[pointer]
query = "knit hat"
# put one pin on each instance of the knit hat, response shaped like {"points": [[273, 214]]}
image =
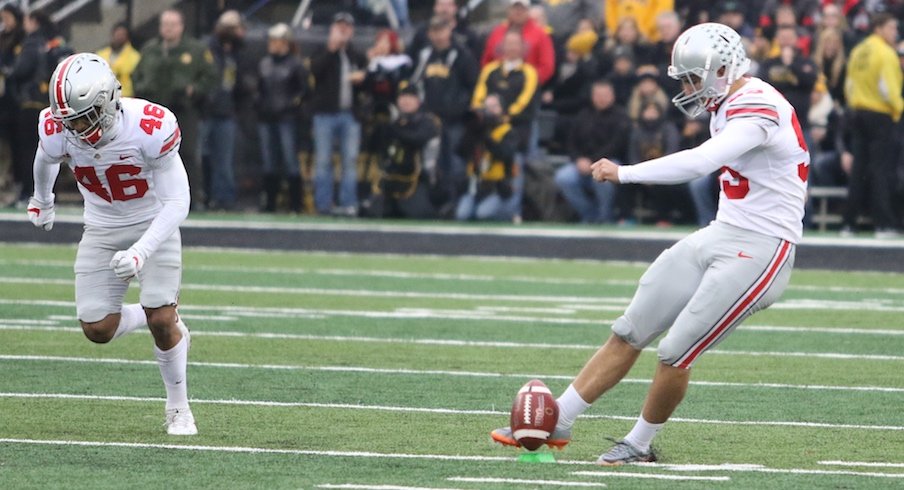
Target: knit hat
{"points": [[582, 43]]}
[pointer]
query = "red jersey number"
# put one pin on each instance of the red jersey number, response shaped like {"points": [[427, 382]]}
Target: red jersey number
{"points": [[122, 188], [149, 124], [735, 186]]}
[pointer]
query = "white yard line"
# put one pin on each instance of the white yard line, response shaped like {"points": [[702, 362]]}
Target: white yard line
{"points": [[862, 463], [652, 476], [436, 372], [521, 481], [760, 469], [450, 411]]}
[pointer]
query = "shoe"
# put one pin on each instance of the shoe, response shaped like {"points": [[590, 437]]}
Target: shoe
{"points": [[846, 232], [557, 440], [180, 422], [345, 211], [887, 234], [623, 452]]}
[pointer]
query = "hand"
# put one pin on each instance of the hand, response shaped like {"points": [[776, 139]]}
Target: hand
{"points": [[126, 263], [605, 171], [847, 162], [357, 76], [547, 97], [41, 214], [787, 55]]}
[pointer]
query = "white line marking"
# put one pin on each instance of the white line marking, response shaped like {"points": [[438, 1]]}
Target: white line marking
{"points": [[519, 481], [356, 486], [704, 467], [448, 411], [653, 476], [755, 469], [862, 463], [830, 330], [437, 372], [257, 450]]}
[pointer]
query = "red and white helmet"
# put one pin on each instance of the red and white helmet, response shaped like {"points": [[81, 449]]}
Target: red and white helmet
{"points": [[84, 96]]}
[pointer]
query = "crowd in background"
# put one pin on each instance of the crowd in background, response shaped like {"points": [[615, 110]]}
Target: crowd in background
{"points": [[500, 123]]}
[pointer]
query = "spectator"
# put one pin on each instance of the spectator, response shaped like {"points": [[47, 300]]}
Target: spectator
{"points": [[462, 35], [623, 75], [732, 14], [832, 18], [403, 187], [785, 16], [122, 57], [646, 90], [178, 72], [644, 13], [446, 74], [830, 60], [235, 72], [515, 82], [387, 66], [654, 136], [337, 68], [27, 77], [793, 74], [563, 17], [489, 146], [11, 36], [626, 38], [874, 99], [538, 47], [668, 27], [57, 47], [600, 130], [569, 91], [282, 86]]}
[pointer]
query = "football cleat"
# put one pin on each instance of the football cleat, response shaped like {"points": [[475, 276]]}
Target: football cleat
{"points": [[557, 440], [180, 422], [623, 452]]}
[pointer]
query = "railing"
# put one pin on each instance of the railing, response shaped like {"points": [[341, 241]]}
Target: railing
{"points": [[69, 9]]}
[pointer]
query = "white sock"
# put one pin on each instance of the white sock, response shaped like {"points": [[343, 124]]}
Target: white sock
{"points": [[642, 434], [172, 368], [131, 317], [570, 406]]}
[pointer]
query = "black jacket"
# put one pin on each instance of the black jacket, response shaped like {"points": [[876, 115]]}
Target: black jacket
{"points": [[598, 134], [446, 80], [795, 82], [326, 67], [29, 75], [283, 82], [572, 93], [235, 75], [402, 155]]}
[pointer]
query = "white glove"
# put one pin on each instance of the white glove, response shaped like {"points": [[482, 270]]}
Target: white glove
{"points": [[41, 213], [127, 263]]}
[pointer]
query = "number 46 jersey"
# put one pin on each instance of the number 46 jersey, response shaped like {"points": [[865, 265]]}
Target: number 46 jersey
{"points": [[116, 179]]}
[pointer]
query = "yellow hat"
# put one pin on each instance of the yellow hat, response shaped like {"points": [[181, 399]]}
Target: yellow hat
{"points": [[582, 43]]}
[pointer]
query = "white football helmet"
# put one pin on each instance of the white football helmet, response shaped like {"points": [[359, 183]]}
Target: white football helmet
{"points": [[699, 54], [84, 96]]}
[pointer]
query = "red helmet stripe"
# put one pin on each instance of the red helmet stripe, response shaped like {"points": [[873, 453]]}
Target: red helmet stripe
{"points": [[61, 76]]}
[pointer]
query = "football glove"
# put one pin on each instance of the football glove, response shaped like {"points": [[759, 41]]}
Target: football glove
{"points": [[126, 263], [41, 213]]}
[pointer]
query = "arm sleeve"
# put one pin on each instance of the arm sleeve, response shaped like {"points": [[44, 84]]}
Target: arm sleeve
{"points": [[171, 185], [480, 90], [46, 170], [527, 92], [738, 137]]}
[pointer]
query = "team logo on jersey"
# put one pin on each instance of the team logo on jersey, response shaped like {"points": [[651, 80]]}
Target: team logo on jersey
{"points": [[185, 58]]}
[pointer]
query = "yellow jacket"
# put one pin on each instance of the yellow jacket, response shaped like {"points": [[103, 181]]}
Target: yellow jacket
{"points": [[123, 66], [643, 11], [874, 78]]}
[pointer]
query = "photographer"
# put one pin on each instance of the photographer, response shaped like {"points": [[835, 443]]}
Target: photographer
{"points": [[489, 147]]}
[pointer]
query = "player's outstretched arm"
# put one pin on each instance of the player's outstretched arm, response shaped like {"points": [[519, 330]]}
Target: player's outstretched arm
{"points": [[738, 137], [171, 185], [40, 206]]}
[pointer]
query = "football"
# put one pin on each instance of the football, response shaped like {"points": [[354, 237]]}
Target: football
{"points": [[534, 415]]}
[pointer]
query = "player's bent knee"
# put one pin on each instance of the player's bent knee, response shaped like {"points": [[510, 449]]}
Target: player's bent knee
{"points": [[102, 331], [161, 318], [674, 355], [625, 331]]}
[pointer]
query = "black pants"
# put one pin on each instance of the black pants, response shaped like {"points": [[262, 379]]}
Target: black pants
{"points": [[873, 177], [23, 148]]}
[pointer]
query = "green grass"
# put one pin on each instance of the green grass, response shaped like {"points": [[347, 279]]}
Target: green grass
{"points": [[336, 359]]}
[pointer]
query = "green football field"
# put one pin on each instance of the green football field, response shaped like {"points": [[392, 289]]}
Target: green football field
{"points": [[314, 370]]}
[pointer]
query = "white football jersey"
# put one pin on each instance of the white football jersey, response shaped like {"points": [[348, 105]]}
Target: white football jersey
{"points": [[116, 180], [764, 190]]}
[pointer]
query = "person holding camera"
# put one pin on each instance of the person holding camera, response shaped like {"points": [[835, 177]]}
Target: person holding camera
{"points": [[489, 147]]}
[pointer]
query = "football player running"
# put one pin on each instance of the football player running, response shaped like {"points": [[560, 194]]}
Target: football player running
{"points": [[124, 155], [699, 290]]}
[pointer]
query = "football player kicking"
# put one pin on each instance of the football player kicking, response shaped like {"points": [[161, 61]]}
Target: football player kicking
{"points": [[703, 287], [124, 154]]}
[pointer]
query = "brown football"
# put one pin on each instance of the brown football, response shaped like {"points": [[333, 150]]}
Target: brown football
{"points": [[534, 415]]}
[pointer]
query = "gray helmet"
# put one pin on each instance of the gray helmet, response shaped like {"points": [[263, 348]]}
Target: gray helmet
{"points": [[697, 57], [84, 96]]}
